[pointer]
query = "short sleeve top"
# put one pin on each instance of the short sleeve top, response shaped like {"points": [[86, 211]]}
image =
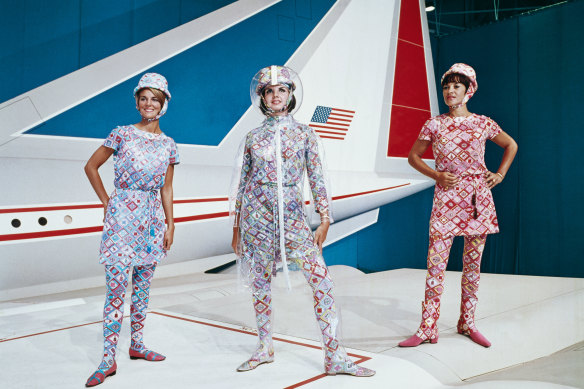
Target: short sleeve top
{"points": [[459, 143], [140, 158]]}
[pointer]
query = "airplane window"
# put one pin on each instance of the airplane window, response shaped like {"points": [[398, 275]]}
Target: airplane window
{"points": [[68, 219], [42, 221], [15, 223]]}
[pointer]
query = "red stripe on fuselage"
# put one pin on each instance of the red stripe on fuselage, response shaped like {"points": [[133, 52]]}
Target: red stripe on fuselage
{"points": [[181, 219], [90, 206], [368, 192], [48, 234], [201, 200]]}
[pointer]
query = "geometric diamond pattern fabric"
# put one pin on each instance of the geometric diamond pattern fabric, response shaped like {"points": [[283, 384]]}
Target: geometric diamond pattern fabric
{"points": [[141, 279], [262, 304], [465, 209], [113, 311], [327, 314], [134, 224], [256, 204], [316, 273], [256, 200], [459, 148], [471, 275], [438, 254]]}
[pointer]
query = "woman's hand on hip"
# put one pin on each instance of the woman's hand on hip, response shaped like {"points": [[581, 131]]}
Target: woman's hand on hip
{"points": [[446, 179], [105, 208], [168, 237], [320, 234], [493, 179]]}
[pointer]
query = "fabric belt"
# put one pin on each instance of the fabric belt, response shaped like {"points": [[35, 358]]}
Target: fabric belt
{"points": [[275, 184]]}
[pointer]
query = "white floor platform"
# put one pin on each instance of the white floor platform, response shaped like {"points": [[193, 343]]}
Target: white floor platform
{"points": [[204, 325]]}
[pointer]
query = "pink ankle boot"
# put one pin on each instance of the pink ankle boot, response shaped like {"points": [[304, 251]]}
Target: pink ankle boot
{"points": [[428, 331], [471, 330]]}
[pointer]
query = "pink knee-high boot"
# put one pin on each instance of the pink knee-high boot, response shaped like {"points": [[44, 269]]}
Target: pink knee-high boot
{"points": [[438, 254], [471, 273]]}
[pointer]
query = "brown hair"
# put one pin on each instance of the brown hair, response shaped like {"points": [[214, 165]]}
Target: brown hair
{"points": [[291, 105], [157, 93], [456, 78]]}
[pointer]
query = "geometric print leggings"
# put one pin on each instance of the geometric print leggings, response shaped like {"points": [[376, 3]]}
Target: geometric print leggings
{"points": [[317, 275], [113, 312], [438, 254]]}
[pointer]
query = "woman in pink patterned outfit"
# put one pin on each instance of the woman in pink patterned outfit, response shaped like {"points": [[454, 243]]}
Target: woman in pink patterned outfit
{"points": [[463, 203], [135, 233]]}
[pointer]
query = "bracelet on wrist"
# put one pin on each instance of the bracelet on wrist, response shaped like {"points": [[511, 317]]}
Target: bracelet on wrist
{"points": [[500, 175]]}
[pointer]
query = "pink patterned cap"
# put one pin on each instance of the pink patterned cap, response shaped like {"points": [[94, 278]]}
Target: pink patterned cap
{"points": [[462, 68], [156, 81], [274, 75]]}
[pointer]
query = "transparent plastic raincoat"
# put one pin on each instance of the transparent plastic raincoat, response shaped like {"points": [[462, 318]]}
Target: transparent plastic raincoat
{"points": [[268, 187], [268, 208]]}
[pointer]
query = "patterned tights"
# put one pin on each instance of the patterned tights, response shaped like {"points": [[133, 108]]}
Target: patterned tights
{"points": [[317, 275], [438, 254], [113, 312]]}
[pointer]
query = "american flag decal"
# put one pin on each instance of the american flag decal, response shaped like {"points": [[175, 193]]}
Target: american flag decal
{"points": [[331, 123]]}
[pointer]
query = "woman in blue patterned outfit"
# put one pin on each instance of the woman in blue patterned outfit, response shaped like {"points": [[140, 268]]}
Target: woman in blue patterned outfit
{"points": [[270, 226], [134, 232]]}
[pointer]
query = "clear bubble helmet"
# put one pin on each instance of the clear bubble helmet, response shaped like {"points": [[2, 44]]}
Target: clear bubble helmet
{"points": [[276, 75]]}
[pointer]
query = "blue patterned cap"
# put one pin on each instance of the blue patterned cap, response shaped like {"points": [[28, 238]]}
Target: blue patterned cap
{"points": [[156, 81]]}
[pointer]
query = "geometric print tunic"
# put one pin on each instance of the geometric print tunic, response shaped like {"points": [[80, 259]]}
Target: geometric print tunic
{"points": [[256, 196], [459, 148], [134, 225]]}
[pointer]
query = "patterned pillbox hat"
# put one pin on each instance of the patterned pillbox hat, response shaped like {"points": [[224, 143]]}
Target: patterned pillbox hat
{"points": [[462, 68], [156, 81]]}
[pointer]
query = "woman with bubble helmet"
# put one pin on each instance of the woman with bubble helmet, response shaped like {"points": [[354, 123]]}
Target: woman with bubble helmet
{"points": [[463, 203], [270, 229], [134, 231]]}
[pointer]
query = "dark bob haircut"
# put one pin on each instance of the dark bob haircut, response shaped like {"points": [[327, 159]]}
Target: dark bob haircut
{"points": [[456, 77]]}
